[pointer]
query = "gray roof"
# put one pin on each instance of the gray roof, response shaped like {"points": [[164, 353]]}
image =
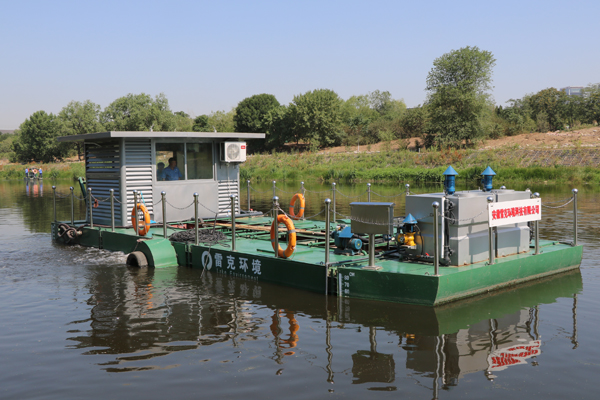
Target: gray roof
{"points": [[162, 135]]}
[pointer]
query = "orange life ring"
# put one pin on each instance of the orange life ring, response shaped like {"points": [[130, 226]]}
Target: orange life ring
{"points": [[291, 236], [297, 196], [96, 203], [144, 225]]}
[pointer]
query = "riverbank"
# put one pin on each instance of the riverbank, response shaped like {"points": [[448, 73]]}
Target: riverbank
{"points": [[66, 170], [513, 165]]}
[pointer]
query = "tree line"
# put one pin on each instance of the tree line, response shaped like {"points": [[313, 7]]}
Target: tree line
{"points": [[459, 112]]}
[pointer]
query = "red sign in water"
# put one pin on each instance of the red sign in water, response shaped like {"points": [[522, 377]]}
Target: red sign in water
{"points": [[502, 358], [512, 212]]}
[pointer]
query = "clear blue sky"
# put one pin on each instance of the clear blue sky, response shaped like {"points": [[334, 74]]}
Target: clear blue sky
{"points": [[209, 55]]}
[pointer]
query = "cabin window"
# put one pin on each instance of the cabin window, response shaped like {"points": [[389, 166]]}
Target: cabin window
{"points": [[170, 161], [199, 160]]}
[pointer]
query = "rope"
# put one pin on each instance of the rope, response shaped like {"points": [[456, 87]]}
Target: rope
{"points": [[392, 196], [309, 217], [181, 208], [561, 206], [259, 191], [312, 191], [352, 197], [284, 191]]}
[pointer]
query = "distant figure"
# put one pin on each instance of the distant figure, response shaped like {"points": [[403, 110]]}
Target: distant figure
{"points": [[35, 172], [40, 171], [26, 172], [172, 173], [160, 171]]}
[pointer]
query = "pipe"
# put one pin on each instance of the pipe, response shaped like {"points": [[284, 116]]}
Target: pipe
{"points": [[54, 201], [196, 218], [112, 210], [72, 206], [442, 212], [90, 207], [136, 221], [491, 261], [371, 249], [575, 216], [248, 193], [274, 189], [436, 239], [369, 192], [233, 196], [163, 195], [275, 222], [537, 230], [407, 189], [327, 237]]}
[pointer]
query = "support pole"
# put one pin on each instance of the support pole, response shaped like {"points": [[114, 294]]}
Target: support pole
{"points": [[407, 186], [371, 249], [537, 230], [72, 206], [248, 193], [112, 210], [163, 195], [369, 192], [274, 189], [90, 207], [575, 216], [54, 201], [136, 219], [233, 196], [436, 239], [333, 189], [491, 261], [275, 222], [196, 219], [327, 237]]}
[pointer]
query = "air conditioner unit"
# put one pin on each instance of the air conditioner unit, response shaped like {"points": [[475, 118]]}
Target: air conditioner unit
{"points": [[233, 151]]}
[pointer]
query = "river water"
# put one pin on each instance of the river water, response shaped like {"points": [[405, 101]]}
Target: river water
{"points": [[76, 323]]}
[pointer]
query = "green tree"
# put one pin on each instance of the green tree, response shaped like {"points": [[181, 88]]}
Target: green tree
{"points": [[78, 118], [385, 105], [222, 121], [458, 84], [250, 113], [414, 122], [183, 122], [201, 124], [592, 107], [37, 139], [548, 108], [139, 112], [316, 117]]}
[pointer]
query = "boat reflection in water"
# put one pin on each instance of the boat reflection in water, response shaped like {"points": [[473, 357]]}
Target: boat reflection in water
{"points": [[34, 188], [140, 314]]}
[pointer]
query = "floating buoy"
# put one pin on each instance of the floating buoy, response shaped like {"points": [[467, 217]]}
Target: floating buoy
{"points": [[291, 231], [297, 196]]}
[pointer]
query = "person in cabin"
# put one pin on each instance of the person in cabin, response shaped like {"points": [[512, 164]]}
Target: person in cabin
{"points": [[172, 173], [160, 171], [40, 171]]}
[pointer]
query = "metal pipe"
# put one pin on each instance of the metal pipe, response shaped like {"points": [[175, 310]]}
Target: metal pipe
{"points": [[163, 195], [407, 186], [112, 210], [233, 196], [327, 233], [276, 224], [248, 193], [575, 216], [371, 250], [442, 223], [303, 191], [333, 189], [274, 189], [72, 206], [436, 239], [196, 218], [136, 221], [491, 261], [537, 230], [90, 207], [54, 201], [369, 192]]}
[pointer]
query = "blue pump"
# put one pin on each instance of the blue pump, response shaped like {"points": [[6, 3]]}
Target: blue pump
{"points": [[488, 176], [449, 180], [345, 241]]}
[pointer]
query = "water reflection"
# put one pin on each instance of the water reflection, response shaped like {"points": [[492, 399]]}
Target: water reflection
{"points": [[138, 315]]}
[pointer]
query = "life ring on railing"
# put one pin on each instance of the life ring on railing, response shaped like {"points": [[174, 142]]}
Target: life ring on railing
{"points": [[291, 231], [297, 196], [144, 225]]}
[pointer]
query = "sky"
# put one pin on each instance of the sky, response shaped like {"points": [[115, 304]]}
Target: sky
{"points": [[208, 56]]}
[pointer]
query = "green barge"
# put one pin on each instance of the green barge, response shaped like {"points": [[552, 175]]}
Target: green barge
{"points": [[448, 245]]}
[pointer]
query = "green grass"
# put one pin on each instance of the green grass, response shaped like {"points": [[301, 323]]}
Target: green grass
{"points": [[51, 171]]}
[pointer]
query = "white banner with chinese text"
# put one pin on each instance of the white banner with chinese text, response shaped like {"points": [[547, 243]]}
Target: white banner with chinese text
{"points": [[513, 212]]}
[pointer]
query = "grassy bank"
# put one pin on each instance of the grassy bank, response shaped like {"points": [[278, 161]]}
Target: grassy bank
{"points": [[51, 171], [406, 166]]}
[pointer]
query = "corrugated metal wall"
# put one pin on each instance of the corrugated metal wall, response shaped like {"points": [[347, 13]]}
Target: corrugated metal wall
{"points": [[103, 165], [138, 173], [226, 189]]}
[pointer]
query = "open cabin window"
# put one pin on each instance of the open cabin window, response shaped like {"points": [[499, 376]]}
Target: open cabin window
{"points": [[184, 161]]}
